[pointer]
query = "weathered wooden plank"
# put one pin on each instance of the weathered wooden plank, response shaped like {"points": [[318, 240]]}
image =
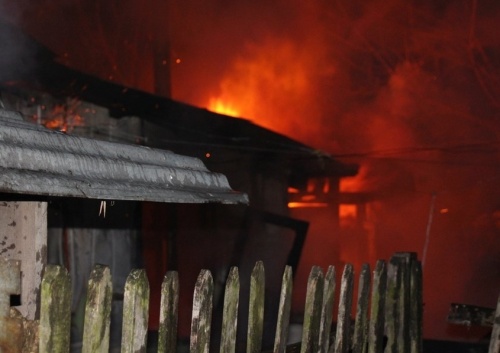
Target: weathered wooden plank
{"points": [[416, 307], [98, 311], [10, 327], [135, 312], [469, 315], [398, 303], [23, 226], [230, 312], [202, 313], [343, 330], [55, 310], [30, 332], [360, 339], [327, 310], [284, 312], [377, 309], [256, 309], [169, 306], [312, 311], [495, 333]]}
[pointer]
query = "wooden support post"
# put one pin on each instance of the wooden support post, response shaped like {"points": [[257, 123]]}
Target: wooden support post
{"points": [[23, 236]]}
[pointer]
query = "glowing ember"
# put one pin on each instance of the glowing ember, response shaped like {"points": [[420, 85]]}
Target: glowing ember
{"points": [[218, 106], [307, 204]]}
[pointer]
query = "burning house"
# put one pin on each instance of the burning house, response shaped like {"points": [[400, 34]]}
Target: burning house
{"points": [[263, 164]]}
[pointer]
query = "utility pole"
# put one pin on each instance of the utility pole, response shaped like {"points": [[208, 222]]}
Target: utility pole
{"points": [[162, 57]]}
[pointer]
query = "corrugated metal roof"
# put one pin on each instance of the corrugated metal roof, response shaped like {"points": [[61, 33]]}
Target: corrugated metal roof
{"points": [[39, 161]]}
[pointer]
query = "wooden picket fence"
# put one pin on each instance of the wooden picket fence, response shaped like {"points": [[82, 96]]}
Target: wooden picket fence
{"points": [[387, 317]]}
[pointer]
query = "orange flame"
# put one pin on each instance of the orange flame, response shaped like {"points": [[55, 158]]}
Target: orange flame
{"points": [[217, 105]]}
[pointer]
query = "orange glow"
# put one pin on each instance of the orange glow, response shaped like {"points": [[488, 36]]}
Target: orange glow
{"points": [[218, 106], [346, 211], [64, 117], [306, 204], [272, 85]]}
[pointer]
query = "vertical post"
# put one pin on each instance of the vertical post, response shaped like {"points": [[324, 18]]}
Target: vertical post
{"points": [[167, 333], [361, 324], [230, 312], [341, 344], [377, 310], [98, 311], [495, 333], [55, 310], [327, 310], [161, 56], [416, 307], [284, 312], [23, 229], [202, 313], [256, 309], [398, 302], [135, 313], [312, 312]]}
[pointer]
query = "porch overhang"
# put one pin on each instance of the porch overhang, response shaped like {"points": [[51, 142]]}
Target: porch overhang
{"points": [[39, 161]]}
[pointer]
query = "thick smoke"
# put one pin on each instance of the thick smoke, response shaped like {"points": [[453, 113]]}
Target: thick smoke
{"points": [[408, 89]]}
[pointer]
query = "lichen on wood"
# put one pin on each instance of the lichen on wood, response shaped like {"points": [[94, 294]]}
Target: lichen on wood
{"points": [[377, 309], [341, 344], [167, 333], [55, 310], [312, 312], [327, 310], [361, 322], [256, 309], [284, 312], [230, 312], [135, 313], [202, 313], [98, 311]]}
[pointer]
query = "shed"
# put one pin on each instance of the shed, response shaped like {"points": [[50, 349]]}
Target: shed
{"points": [[38, 164], [259, 162]]}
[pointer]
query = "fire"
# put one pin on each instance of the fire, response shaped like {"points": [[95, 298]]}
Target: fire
{"points": [[272, 84], [217, 105]]}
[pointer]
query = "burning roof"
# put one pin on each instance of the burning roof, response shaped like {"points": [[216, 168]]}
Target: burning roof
{"points": [[192, 125]]}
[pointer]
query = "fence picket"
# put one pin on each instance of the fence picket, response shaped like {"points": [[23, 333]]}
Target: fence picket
{"points": [[361, 322], [256, 309], [377, 310], [202, 313], [167, 332], [284, 312], [395, 301], [135, 312], [343, 331], [312, 312], [495, 333], [98, 311], [327, 310], [398, 303], [230, 313], [416, 307], [55, 310]]}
